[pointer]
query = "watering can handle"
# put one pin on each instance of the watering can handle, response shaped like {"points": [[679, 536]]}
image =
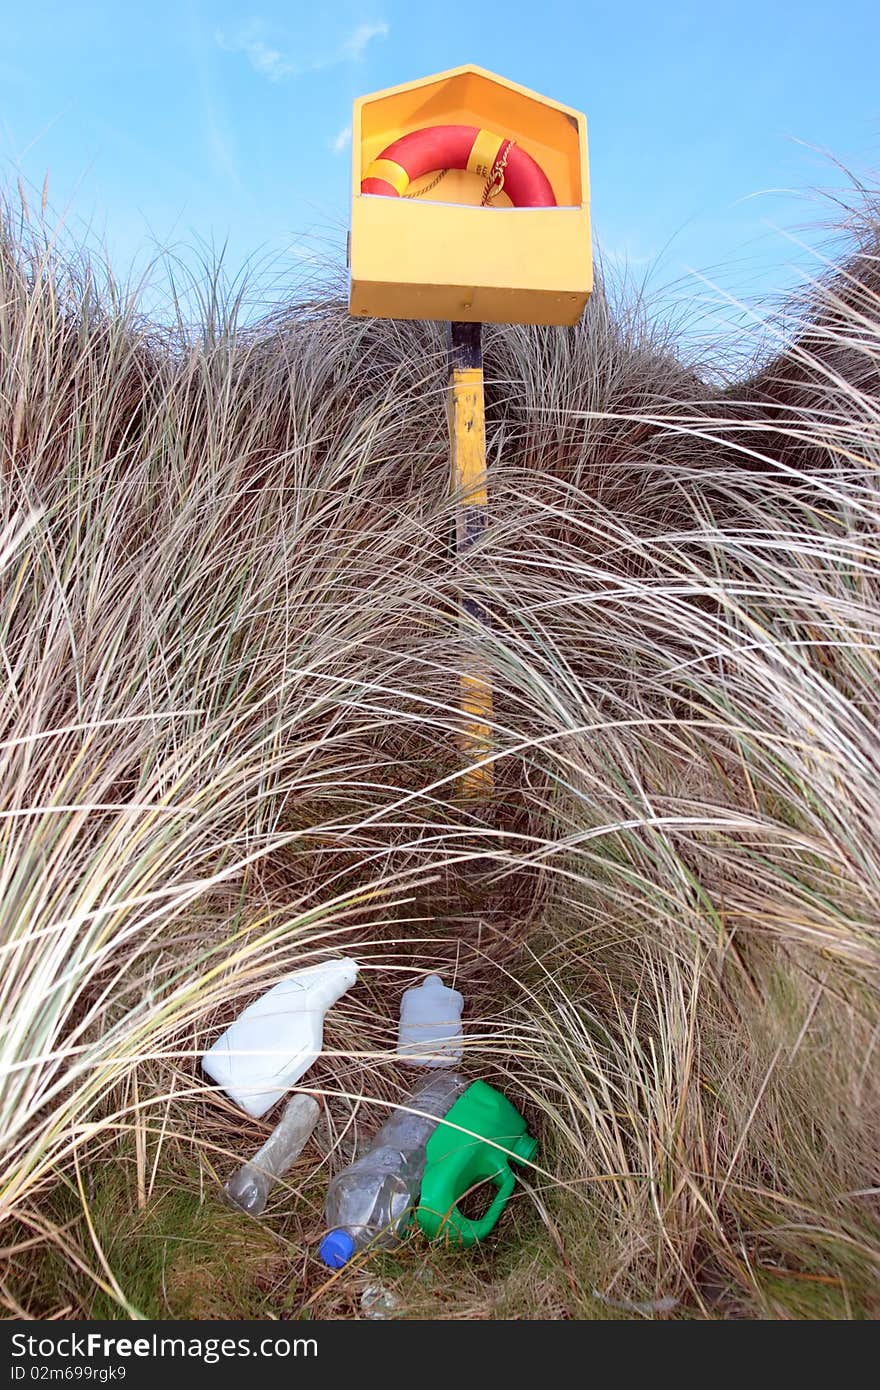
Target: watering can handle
{"points": [[505, 1182]]}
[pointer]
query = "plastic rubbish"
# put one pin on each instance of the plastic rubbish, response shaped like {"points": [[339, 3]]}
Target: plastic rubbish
{"points": [[379, 1302], [278, 1037], [430, 1025], [370, 1201], [646, 1306], [249, 1188], [457, 1160]]}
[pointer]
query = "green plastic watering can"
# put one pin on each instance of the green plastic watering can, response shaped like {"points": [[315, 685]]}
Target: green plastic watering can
{"points": [[457, 1161]]}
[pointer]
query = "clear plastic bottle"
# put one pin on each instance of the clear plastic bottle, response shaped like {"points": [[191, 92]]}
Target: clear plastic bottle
{"points": [[250, 1187], [368, 1202]]}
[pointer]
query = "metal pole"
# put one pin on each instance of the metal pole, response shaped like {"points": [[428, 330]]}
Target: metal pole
{"points": [[467, 456]]}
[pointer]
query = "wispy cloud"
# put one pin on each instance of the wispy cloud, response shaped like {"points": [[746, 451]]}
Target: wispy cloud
{"points": [[216, 133], [220, 144], [626, 255], [355, 46], [341, 140], [267, 61], [275, 65]]}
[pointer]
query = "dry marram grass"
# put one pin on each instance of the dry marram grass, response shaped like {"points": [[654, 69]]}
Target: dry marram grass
{"points": [[230, 644]]}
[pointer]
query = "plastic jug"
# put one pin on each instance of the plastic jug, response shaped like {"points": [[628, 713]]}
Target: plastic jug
{"points": [[370, 1201], [456, 1162], [278, 1037], [430, 1025], [249, 1188]]}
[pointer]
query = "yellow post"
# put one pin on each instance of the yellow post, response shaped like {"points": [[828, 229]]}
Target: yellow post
{"points": [[467, 453]]}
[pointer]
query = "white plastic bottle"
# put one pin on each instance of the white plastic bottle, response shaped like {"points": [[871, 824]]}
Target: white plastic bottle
{"points": [[430, 1025], [278, 1037], [249, 1188]]}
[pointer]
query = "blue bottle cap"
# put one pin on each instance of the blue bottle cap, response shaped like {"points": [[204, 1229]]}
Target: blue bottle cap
{"points": [[336, 1249]]}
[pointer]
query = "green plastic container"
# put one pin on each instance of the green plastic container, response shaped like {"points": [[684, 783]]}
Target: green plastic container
{"points": [[457, 1162]]}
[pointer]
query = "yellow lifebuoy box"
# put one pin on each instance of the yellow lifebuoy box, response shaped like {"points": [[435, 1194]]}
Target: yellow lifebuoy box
{"points": [[470, 203]]}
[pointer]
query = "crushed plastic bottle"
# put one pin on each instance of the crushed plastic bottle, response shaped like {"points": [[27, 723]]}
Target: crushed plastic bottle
{"points": [[249, 1188], [369, 1202], [378, 1302], [278, 1037], [430, 1025]]}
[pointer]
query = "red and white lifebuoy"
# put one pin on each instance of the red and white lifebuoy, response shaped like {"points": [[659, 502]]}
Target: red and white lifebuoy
{"points": [[481, 152]]}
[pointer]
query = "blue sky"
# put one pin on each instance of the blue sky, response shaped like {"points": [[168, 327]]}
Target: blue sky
{"points": [[180, 123]]}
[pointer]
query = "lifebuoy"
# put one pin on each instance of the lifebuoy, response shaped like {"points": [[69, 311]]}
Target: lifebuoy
{"points": [[459, 147]]}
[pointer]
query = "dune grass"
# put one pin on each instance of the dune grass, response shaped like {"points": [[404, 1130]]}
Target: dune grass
{"points": [[231, 641]]}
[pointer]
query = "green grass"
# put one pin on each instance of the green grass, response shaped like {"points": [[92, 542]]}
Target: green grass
{"points": [[179, 1256]]}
